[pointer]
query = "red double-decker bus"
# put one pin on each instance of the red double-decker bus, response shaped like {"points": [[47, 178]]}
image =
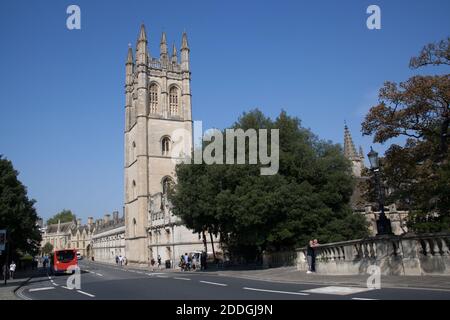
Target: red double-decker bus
{"points": [[62, 260]]}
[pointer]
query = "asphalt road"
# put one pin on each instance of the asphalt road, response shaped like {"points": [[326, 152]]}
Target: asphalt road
{"points": [[104, 282]]}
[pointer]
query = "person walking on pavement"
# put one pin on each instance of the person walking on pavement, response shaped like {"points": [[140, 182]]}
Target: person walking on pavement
{"points": [[120, 260], [159, 261], [12, 269]]}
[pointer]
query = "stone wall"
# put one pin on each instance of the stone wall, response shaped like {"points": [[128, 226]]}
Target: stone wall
{"points": [[408, 254]]}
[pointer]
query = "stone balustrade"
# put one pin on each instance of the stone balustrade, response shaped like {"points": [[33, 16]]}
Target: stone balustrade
{"points": [[408, 254]]}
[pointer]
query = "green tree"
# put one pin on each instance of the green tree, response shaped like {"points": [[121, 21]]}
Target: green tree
{"points": [[47, 248], [63, 216], [17, 212], [308, 197], [418, 172]]}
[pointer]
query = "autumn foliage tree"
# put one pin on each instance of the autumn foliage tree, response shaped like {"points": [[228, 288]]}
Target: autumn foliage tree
{"points": [[419, 171]]}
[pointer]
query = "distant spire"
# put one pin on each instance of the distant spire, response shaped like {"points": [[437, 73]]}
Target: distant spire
{"points": [[142, 34], [174, 53], [349, 147], [174, 50], [361, 154], [130, 55], [163, 38], [163, 52], [184, 42]]}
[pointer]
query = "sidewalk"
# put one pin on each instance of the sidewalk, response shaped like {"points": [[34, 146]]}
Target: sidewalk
{"points": [[8, 292], [291, 275]]}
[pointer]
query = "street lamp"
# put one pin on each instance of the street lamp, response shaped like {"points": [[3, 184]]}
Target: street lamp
{"points": [[383, 223]]}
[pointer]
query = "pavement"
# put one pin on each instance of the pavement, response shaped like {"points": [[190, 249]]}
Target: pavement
{"points": [[100, 281], [7, 292]]}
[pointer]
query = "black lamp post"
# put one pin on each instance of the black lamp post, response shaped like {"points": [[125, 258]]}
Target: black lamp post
{"points": [[383, 223]]}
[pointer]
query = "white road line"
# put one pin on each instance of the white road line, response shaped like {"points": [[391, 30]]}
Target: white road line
{"points": [[85, 293], [363, 299], [276, 291], [215, 283], [181, 278], [41, 289], [162, 276], [336, 290], [99, 274], [66, 288]]}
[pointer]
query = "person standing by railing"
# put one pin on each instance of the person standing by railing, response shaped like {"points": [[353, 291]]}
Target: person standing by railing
{"points": [[310, 255]]}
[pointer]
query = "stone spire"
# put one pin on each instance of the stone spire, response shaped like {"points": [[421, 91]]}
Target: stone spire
{"points": [[184, 53], [174, 54], [361, 154], [184, 42], [349, 147], [141, 47], [164, 56], [130, 55], [142, 34]]}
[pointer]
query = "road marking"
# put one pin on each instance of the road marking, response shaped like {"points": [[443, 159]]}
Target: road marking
{"points": [[340, 291], [66, 288], [41, 289], [363, 299], [99, 274], [162, 276], [276, 291], [215, 283], [85, 293], [181, 278]]}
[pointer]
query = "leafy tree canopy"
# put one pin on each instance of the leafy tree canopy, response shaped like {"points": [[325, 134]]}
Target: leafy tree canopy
{"points": [[17, 212], [308, 197], [63, 216]]}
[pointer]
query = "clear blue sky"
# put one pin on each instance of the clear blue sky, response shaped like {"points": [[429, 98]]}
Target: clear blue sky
{"points": [[62, 95]]}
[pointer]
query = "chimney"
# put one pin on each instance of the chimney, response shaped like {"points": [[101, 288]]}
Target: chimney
{"points": [[90, 221], [78, 222], [106, 218]]}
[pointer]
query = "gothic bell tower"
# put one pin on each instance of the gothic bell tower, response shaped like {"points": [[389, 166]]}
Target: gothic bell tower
{"points": [[158, 133]]}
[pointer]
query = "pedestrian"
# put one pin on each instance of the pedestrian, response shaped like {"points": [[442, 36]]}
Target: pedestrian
{"points": [[12, 269], [125, 260], [186, 261], [4, 271], [159, 261], [120, 260], [313, 264], [117, 259], [152, 263], [309, 255], [194, 261], [203, 260]]}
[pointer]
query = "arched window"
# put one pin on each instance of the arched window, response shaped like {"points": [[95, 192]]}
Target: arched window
{"points": [[153, 98], [165, 146], [166, 185], [173, 101]]}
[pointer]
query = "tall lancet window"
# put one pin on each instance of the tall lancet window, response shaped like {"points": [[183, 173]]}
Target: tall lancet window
{"points": [[165, 146], [153, 98], [173, 101]]}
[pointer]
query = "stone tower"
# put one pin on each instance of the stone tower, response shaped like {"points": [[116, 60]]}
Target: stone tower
{"points": [[357, 158], [158, 133]]}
